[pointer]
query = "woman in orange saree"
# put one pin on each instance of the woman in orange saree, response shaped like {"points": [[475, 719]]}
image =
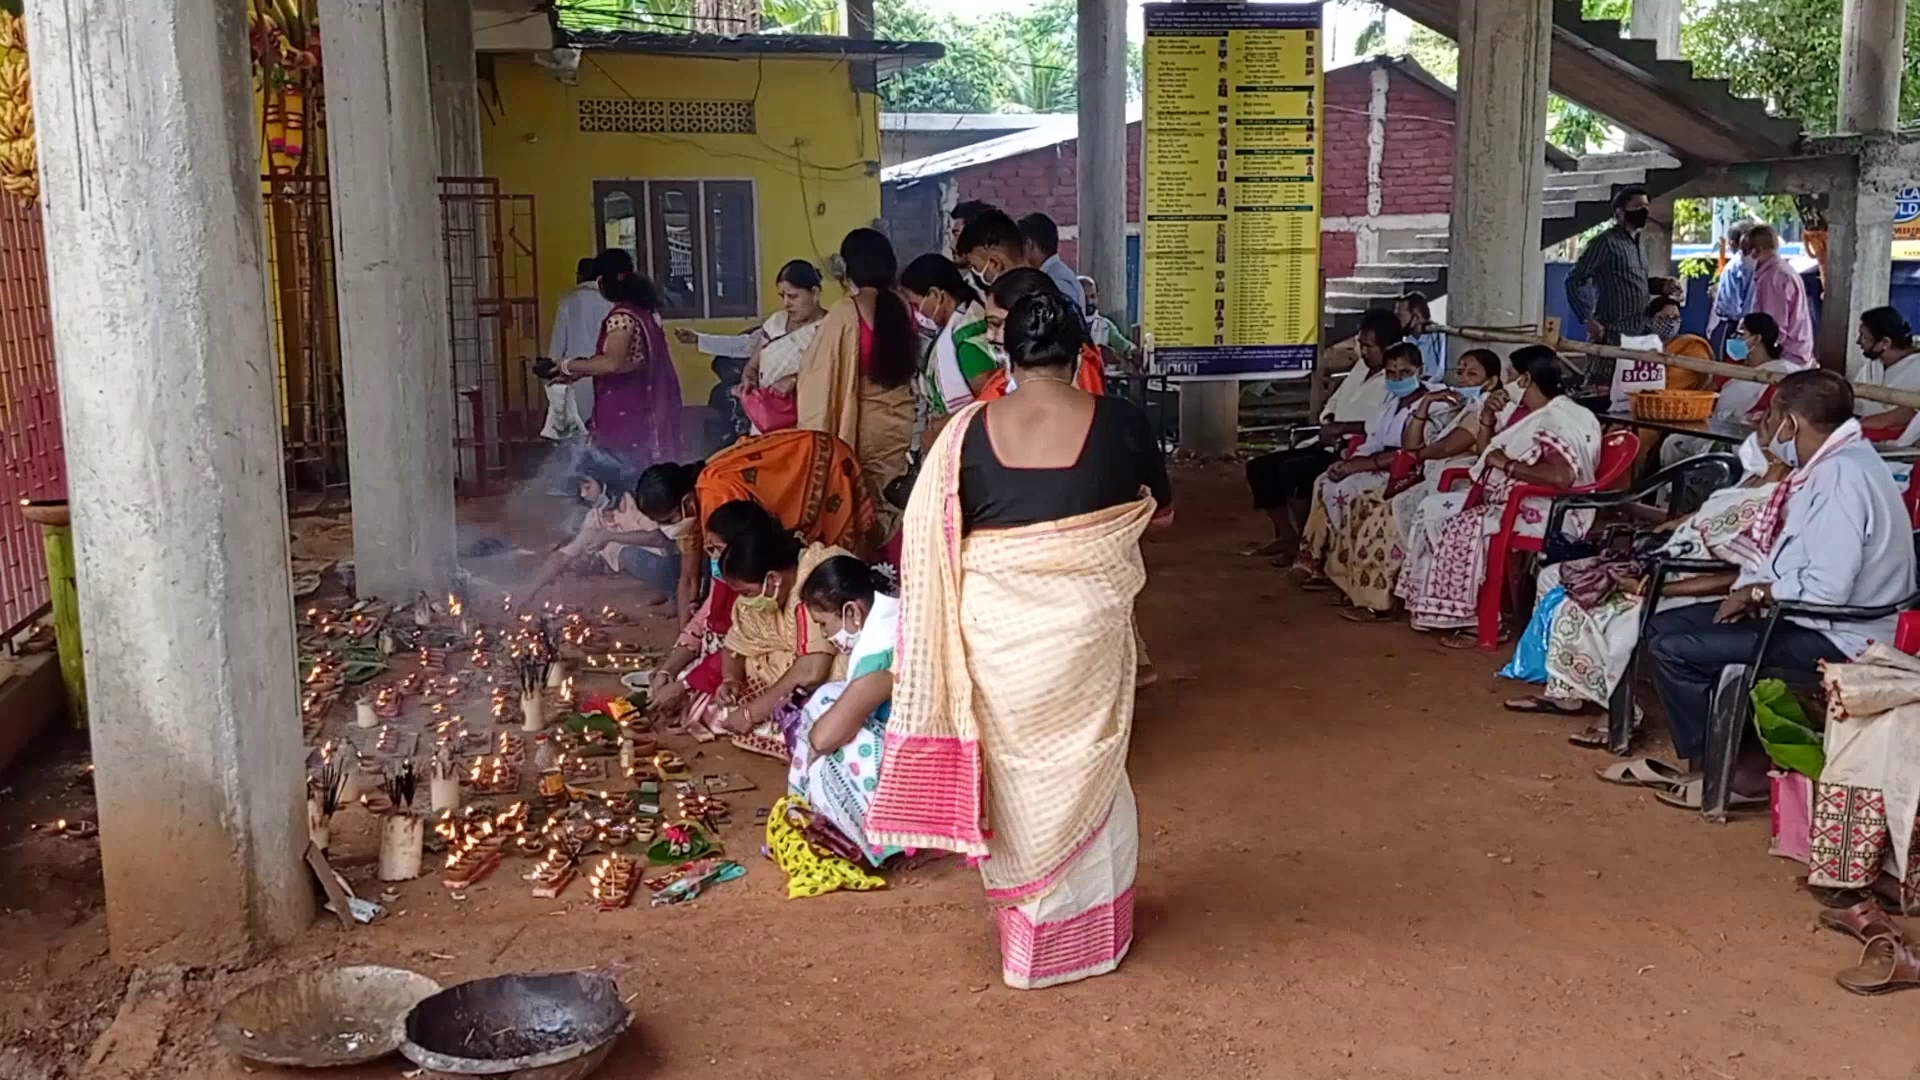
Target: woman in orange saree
{"points": [[809, 480]]}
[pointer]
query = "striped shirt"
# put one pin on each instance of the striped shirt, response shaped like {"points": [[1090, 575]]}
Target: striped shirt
{"points": [[1615, 269]]}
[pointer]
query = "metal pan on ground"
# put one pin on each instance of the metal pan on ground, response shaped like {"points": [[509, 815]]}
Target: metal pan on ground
{"points": [[637, 681], [524, 1027], [324, 1018]]}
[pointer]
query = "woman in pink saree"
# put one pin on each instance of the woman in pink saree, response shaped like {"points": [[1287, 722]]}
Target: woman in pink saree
{"points": [[636, 392]]}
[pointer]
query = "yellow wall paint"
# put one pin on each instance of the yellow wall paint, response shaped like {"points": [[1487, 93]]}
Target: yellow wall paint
{"points": [[533, 144]]}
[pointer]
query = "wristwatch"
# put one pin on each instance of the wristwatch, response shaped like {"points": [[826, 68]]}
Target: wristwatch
{"points": [[1757, 594]]}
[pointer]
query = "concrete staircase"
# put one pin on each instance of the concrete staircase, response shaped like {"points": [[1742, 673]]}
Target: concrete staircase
{"points": [[1575, 202]]}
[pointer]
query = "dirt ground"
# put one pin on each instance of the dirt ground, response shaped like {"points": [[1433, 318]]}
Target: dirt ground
{"points": [[1353, 864]]}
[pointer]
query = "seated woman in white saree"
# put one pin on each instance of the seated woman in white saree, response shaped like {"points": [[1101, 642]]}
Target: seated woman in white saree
{"points": [[836, 742], [1363, 559], [1013, 691], [1590, 640], [1364, 471], [1557, 444]]}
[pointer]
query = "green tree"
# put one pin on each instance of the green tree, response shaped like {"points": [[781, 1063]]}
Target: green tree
{"points": [[800, 16], [968, 79], [1785, 53]]}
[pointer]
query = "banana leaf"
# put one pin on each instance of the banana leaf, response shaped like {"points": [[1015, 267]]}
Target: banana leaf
{"points": [[1782, 723]]}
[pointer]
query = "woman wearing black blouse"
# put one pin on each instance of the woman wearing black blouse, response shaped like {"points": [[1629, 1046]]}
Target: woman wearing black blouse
{"points": [[1014, 676]]}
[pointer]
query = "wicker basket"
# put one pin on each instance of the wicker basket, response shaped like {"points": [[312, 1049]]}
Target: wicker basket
{"points": [[1674, 405]]}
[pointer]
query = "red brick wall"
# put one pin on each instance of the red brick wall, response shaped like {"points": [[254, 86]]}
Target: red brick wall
{"points": [[1343, 141], [1416, 171], [1337, 253]]}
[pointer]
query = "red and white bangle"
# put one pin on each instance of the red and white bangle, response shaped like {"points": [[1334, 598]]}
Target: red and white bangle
{"points": [[566, 367]]}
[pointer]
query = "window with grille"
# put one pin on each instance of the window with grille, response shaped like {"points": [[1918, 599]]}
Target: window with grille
{"points": [[696, 239]]}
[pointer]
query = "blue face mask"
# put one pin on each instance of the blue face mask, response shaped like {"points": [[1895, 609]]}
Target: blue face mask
{"points": [[1736, 348], [713, 566], [1402, 387], [1471, 394]]}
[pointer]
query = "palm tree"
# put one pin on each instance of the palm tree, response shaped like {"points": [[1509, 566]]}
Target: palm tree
{"points": [[800, 16]]}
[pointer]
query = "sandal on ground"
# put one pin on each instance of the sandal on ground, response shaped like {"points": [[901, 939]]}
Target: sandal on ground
{"points": [[1367, 615], [1264, 549], [1886, 964], [1470, 639], [1540, 703], [1317, 583], [1600, 736], [1645, 772], [1862, 922], [1828, 897], [1691, 795]]}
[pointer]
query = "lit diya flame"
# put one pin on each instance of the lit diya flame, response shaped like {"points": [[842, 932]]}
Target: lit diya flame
{"points": [[566, 690], [454, 607]]}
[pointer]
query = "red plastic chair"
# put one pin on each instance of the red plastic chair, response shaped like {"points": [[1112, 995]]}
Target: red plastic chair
{"points": [[1618, 450]]}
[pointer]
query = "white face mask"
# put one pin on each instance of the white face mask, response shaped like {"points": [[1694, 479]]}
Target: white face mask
{"points": [[1785, 447], [1752, 459], [844, 639], [926, 322], [678, 529]]}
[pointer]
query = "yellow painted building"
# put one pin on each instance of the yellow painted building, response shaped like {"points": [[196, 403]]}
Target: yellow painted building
{"points": [[714, 160]]}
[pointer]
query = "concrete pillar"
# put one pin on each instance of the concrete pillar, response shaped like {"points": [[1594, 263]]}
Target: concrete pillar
{"points": [[1860, 214], [1656, 240], [1500, 120], [454, 80], [148, 152], [454, 83], [1102, 151], [1657, 21], [1210, 418], [1872, 44], [1859, 249], [391, 279]]}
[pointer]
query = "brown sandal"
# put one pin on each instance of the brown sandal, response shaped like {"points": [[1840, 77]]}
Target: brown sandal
{"points": [[1886, 964], [1863, 921]]}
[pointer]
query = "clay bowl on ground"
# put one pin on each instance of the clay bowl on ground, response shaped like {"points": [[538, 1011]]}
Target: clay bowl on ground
{"points": [[322, 1018], [524, 1027]]}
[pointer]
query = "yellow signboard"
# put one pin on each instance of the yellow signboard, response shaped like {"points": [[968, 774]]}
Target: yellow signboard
{"points": [[1230, 257]]}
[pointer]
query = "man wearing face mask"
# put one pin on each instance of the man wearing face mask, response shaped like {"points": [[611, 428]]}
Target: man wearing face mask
{"points": [[1834, 532], [993, 244], [1779, 292], [1886, 342], [1607, 291]]}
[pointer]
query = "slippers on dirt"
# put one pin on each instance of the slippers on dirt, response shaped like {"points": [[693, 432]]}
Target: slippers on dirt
{"points": [[1539, 703], [1862, 922], [1644, 772], [1317, 583], [1844, 898], [1690, 796], [1467, 639], [1886, 964], [1367, 615]]}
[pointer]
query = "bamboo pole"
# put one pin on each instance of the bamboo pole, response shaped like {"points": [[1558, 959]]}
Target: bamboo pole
{"points": [[1906, 399], [61, 580]]}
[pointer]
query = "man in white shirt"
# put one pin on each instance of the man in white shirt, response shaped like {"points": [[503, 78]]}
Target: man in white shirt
{"points": [[1836, 533], [576, 334], [1282, 481], [1043, 252]]}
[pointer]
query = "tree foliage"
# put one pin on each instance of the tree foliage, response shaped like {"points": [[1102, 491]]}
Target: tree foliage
{"points": [[1009, 62], [1785, 53]]}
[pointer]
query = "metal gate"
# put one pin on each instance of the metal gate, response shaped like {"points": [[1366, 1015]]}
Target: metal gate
{"points": [[493, 300], [32, 465]]}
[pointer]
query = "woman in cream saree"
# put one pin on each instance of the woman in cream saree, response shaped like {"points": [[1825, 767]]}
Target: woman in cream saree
{"points": [[1013, 693]]}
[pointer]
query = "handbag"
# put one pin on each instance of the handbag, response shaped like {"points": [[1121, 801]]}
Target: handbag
{"points": [[769, 411]]}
